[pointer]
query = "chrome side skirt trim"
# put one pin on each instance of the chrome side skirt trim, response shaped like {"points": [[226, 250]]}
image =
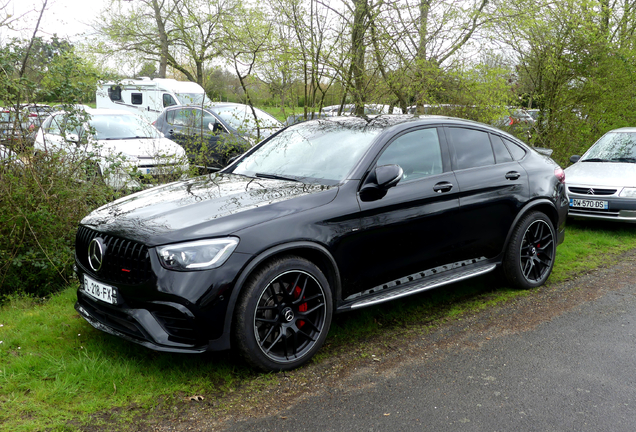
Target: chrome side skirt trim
{"points": [[383, 294]]}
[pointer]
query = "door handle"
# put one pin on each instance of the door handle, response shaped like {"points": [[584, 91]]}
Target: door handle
{"points": [[512, 175], [442, 187]]}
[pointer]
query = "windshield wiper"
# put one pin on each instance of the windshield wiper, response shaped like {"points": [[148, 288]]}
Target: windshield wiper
{"points": [[624, 159], [275, 177], [595, 160]]}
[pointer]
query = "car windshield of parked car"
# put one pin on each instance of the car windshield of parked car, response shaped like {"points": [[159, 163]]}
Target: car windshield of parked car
{"points": [[200, 99], [613, 147], [121, 126], [319, 151], [242, 118]]}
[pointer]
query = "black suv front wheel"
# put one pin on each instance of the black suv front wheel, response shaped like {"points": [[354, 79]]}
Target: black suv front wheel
{"points": [[283, 316]]}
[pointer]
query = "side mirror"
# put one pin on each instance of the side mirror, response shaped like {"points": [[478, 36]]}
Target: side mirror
{"points": [[388, 176], [215, 127], [74, 138], [379, 181], [575, 158]]}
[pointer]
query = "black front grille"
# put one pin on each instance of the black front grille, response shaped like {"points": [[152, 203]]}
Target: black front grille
{"points": [[125, 261], [596, 192]]}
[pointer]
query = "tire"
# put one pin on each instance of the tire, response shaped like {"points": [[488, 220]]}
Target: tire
{"points": [[529, 258], [283, 315]]}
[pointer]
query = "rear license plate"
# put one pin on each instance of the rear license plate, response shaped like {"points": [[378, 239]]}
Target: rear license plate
{"points": [[587, 203], [100, 291]]}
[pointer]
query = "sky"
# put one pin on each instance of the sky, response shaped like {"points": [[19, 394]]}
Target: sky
{"points": [[68, 18]]}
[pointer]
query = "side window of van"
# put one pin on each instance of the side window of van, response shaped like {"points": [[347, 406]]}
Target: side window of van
{"points": [[136, 98], [168, 100], [114, 93]]}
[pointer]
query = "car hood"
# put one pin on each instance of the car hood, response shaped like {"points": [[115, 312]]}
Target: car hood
{"points": [[610, 174], [203, 207], [142, 148]]}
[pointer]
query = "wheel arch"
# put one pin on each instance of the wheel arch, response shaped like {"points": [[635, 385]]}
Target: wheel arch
{"points": [[311, 251], [543, 205]]}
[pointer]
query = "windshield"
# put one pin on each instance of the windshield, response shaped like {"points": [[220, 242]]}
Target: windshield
{"points": [[240, 117], [200, 99], [315, 152], [121, 126], [613, 147]]}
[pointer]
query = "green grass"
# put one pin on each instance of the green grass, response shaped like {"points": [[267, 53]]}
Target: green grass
{"points": [[58, 373]]}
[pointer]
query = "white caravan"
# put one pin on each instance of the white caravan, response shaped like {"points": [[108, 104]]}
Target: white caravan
{"points": [[148, 97]]}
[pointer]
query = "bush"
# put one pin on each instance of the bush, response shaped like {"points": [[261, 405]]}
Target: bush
{"points": [[43, 199]]}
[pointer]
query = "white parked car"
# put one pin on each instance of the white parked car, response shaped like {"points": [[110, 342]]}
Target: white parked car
{"points": [[125, 149], [602, 183]]}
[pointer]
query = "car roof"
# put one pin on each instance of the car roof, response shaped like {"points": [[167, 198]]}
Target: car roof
{"points": [[628, 129], [386, 121]]}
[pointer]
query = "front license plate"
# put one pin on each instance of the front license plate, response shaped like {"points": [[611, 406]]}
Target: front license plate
{"points": [[587, 203], [99, 291]]}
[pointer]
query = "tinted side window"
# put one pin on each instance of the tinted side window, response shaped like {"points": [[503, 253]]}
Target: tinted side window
{"points": [[418, 153], [517, 151], [136, 98], [501, 152], [472, 148]]}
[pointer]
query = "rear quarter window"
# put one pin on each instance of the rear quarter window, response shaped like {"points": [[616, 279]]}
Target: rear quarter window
{"points": [[516, 150], [472, 147]]}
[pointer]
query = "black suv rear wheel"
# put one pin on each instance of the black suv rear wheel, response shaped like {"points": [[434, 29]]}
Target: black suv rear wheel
{"points": [[530, 254]]}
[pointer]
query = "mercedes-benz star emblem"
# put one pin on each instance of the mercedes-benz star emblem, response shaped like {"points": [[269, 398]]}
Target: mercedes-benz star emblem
{"points": [[96, 254], [288, 314]]}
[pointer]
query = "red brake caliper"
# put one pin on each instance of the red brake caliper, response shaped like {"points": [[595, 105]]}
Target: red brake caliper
{"points": [[301, 308]]}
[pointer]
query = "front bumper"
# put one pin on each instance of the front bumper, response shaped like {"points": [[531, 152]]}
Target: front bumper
{"points": [[166, 310], [618, 209]]}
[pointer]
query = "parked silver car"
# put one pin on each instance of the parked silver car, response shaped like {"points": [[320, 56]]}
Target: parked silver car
{"points": [[602, 183]]}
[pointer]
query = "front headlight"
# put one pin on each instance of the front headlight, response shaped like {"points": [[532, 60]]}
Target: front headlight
{"points": [[197, 255], [628, 193]]}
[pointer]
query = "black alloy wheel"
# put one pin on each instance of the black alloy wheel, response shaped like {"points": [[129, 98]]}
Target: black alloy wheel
{"points": [[284, 315], [530, 255]]}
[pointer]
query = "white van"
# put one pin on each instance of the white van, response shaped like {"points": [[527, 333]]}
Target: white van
{"points": [[148, 97]]}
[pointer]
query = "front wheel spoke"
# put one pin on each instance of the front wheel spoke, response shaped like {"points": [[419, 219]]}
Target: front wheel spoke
{"points": [[307, 300], [278, 338], [312, 310], [266, 308], [269, 333], [545, 246], [307, 335], [311, 324], [295, 343], [304, 288], [265, 320], [272, 292]]}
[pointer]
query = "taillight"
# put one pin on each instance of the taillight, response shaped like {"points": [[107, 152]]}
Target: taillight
{"points": [[154, 123], [512, 121], [560, 175], [33, 115]]}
